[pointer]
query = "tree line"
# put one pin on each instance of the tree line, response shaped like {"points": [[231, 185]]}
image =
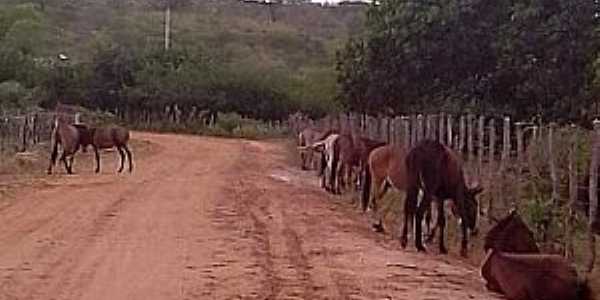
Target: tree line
{"points": [[522, 58], [222, 58]]}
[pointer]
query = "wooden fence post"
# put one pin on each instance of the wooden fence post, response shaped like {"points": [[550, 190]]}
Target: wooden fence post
{"points": [[399, 130], [441, 121], [388, 130], [419, 128], [449, 131], [505, 143], [407, 131], [593, 194], [434, 129], [569, 232], [480, 151], [552, 160], [461, 136], [519, 133], [372, 125], [470, 146], [491, 163]]}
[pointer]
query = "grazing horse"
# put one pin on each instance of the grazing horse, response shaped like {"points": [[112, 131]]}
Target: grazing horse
{"points": [[68, 136], [534, 276], [437, 171], [385, 168], [106, 138], [350, 152], [307, 137], [355, 154], [512, 235]]}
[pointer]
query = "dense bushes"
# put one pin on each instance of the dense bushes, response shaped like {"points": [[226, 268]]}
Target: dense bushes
{"points": [[496, 57]]}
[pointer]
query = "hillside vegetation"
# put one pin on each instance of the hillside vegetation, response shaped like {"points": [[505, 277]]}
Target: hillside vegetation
{"points": [[259, 61]]}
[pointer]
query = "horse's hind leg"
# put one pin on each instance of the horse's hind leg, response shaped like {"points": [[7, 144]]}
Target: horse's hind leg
{"points": [[419, 220], [71, 160], [410, 205], [129, 158], [63, 158], [53, 156], [97, 156], [122, 154], [441, 223]]}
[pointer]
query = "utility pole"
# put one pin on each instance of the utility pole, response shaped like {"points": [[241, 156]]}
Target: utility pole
{"points": [[168, 25]]}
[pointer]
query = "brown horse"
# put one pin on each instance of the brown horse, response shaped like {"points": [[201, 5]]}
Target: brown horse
{"points": [[351, 152], [385, 168], [106, 138], [437, 171], [68, 136], [534, 276], [512, 235]]}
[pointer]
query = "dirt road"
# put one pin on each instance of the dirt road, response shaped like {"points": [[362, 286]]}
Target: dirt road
{"points": [[204, 218]]}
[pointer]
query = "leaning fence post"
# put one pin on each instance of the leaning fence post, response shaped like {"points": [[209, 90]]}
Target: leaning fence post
{"points": [[593, 194]]}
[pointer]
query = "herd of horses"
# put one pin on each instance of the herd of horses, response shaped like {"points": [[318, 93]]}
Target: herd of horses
{"points": [[72, 137], [429, 173]]}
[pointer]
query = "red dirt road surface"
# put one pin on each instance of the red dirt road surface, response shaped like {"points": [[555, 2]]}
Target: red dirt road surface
{"points": [[206, 218]]}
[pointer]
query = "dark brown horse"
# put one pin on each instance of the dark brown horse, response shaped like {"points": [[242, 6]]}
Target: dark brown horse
{"points": [[534, 276], [68, 137], [511, 235], [385, 168], [105, 138], [437, 171]]}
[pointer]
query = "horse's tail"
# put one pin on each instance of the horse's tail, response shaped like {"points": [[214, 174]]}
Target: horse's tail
{"points": [[584, 292], [334, 163], [366, 190]]}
